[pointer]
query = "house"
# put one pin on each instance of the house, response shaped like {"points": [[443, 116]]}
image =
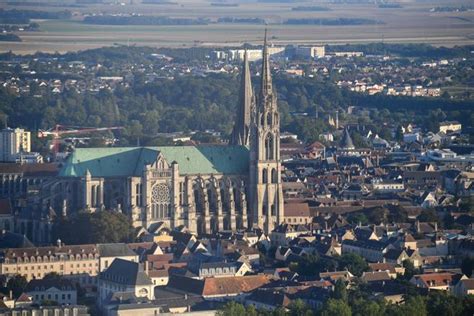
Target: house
{"points": [[218, 289], [329, 249], [395, 256], [376, 276], [222, 269], [336, 275], [126, 277], [109, 252], [159, 277], [24, 300], [7, 301], [59, 290], [282, 253], [464, 287], [371, 250], [428, 200], [284, 233], [268, 299], [297, 213], [408, 242], [392, 269], [436, 281]]}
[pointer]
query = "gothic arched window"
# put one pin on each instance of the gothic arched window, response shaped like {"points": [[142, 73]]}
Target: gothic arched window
{"points": [[269, 147], [269, 119], [264, 176], [274, 176]]}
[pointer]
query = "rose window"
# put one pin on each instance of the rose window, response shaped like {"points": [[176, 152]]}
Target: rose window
{"points": [[160, 193]]}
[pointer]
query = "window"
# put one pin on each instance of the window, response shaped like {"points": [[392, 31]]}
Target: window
{"points": [[269, 119], [138, 195], [269, 147], [274, 176], [182, 192], [264, 176]]}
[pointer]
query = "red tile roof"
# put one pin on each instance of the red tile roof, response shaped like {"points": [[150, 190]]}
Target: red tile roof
{"points": [[297, 209], [233, 285]]}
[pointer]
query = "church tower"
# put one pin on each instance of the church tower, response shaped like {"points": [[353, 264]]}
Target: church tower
{"points": [[266, 194], [246, 104]]}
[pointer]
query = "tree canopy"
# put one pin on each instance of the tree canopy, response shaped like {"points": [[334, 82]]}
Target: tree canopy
{"points": [[90, 228]]}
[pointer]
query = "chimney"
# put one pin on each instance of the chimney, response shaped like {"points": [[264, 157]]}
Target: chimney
{"points": [[11, 294], [146, 267]]}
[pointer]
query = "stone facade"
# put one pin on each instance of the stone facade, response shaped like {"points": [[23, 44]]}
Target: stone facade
{"points": [[205, 188]]}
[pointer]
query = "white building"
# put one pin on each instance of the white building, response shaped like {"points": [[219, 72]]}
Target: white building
{"points": [[52, 289], [450, 126], [13, 142], [310, 51], [124, 277]]}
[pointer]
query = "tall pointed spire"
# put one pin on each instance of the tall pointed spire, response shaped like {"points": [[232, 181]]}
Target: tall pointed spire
{"points": [[241, 132], [266, 189], [266, 88]]}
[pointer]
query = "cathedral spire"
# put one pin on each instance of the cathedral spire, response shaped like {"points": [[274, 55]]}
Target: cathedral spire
{"points": [[266, 88], [241, 132]]}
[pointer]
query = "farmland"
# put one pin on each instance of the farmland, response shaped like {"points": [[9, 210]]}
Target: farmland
{"points": [[411, 23]]}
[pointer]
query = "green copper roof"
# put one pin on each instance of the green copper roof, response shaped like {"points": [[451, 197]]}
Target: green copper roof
{"points": [[131, 161]]}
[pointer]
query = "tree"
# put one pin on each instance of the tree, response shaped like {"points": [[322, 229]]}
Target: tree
{"points": [[398, 214], [377, 215], [92, 228], [232, 309], [251, 311], [428, 215], [399, 134], [410, 269], [340, 291], [17, 285], [336, 308], [362, 307], [467, 265], [440, 303], [358, 218], [354, 263], [299, 308], [415, 306]]}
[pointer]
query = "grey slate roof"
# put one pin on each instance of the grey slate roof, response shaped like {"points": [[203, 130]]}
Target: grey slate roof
{"points": [[126, 273], [115, 250]]}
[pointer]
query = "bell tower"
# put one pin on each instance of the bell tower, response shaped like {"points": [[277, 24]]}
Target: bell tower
{"points": [[266, 194]]}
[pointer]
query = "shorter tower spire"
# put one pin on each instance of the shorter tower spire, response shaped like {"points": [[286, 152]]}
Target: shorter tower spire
{"points": [[266, 88], [241, 132]]}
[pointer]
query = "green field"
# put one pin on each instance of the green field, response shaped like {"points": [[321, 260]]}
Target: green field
{"points": [[413, 23]]}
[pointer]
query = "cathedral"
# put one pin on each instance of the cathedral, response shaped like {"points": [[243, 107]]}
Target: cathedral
{"points": [[205, 188]]}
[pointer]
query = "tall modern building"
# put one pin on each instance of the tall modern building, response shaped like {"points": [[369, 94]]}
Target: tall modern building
{"points": [[206, 188], [14, 142]]}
